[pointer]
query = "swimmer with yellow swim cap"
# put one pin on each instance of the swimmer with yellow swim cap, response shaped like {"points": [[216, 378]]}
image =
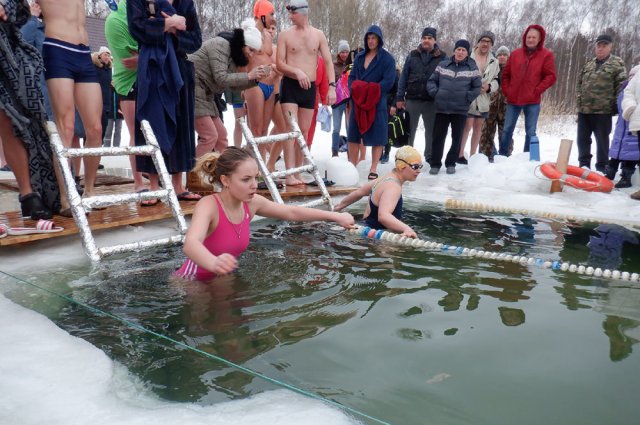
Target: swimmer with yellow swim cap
{"points": [[384, 210]]}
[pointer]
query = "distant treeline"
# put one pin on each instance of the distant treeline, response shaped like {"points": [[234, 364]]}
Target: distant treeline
{"points": [[571, 26]]}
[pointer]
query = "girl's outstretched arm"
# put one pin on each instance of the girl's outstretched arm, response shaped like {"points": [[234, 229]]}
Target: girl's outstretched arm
{"points": [[267, 208]]}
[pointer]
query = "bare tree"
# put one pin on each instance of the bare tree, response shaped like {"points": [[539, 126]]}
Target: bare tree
{"points": [[571, 26]]}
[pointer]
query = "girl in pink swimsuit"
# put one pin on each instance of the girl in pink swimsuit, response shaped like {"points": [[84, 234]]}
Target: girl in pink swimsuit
{"points": [[219, 230]]}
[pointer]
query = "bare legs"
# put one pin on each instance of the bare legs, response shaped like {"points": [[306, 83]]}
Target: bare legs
{"points": [[65, 97], [259, 112], [15, 155], [474, 125], [128, 108], [292, 155], [237, 130], [279, 127], [357, 152]]}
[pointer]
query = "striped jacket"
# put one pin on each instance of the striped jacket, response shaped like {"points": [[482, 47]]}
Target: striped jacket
{"points": [[454, 85]]}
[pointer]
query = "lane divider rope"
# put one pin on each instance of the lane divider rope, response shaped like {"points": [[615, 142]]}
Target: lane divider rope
{"points": [[202, 352], [398, 239], [477, 206]]}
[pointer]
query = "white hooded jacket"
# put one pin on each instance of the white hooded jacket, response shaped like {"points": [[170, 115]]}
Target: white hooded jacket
{"points": [[630, 110], [490, 76]]}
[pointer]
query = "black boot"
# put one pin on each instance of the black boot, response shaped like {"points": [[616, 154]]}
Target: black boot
{"points": [[610, 171], [625, 179], [79, 187], [32, 207], [334, 152]]}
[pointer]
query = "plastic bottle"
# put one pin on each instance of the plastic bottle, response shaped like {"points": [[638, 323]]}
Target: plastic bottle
{"points": [[534, 149]]}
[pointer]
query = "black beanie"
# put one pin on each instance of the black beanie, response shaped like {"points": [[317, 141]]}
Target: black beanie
{"points": [[429, 31], [463, 43]]}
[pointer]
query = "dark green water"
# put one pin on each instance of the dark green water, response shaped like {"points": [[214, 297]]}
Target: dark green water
{"points": [[408, 336]]}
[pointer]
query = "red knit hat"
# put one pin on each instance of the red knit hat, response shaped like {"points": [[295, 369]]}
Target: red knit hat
{"points": [[263, 8]]}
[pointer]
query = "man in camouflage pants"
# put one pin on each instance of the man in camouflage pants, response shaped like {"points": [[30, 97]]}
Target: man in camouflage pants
{"points": [[597, 91], [497, 113]]}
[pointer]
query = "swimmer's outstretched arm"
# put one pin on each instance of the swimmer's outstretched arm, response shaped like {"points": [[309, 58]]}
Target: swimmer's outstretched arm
{"points": [[203, 222], [354, 196], [267, 208]]}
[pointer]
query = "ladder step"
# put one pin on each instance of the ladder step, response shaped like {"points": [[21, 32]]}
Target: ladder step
{"points": [[315, 203], [304, 169], [136, 246], [99, 201], [264, 140], [125, 150]]}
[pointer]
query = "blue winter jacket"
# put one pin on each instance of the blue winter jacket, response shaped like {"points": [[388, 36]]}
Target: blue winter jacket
{"points": [[455, 85], [624, 146], [382, 70]]}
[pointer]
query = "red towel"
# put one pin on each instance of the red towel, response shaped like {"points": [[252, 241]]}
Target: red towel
{"points": [[365, 99]]}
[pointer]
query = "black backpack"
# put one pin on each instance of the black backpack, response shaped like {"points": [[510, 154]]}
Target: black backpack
{"points": [[398, 131]]}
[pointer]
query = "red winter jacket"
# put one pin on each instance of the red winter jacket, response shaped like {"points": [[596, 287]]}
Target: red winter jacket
{"points": [[528, 74], [365, 98]]}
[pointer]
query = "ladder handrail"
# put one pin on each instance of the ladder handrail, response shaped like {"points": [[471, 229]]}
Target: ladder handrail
{"points": [[79, 205], [268, 176]]}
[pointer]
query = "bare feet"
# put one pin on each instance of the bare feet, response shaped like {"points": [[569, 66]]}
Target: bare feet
{"points": [[293, 181]]}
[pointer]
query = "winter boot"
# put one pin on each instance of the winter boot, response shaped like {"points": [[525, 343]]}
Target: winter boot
{"points": [[625, 179], [610, 171]]}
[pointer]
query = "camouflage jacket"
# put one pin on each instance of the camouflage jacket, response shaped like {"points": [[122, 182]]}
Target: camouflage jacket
{"points": [[597, 90]]}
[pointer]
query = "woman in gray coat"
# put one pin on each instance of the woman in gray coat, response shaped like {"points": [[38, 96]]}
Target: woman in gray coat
{"points": [[218, 65]]}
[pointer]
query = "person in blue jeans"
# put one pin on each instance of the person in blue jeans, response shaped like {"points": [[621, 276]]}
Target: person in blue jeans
{"points": [[339, 109], [529, 72], [33, 33]]}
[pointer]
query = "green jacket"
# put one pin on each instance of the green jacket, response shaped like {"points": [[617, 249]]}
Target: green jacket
{"points": [[598, 90]]}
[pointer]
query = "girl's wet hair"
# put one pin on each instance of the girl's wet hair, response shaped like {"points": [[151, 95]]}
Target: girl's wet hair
{"points": [[212, 165]]}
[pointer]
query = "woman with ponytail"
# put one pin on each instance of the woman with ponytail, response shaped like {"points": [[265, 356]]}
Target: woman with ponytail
{"points": [[219, 230]]}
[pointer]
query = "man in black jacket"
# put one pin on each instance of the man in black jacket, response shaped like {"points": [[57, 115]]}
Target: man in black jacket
{"points": [[412, 93]]}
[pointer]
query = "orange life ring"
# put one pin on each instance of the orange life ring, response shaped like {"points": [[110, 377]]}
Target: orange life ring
{"points": [[577, 177]]}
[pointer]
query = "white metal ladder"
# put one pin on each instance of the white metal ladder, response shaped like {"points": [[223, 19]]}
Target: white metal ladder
{"points": [[269, 176], [80, 205]]}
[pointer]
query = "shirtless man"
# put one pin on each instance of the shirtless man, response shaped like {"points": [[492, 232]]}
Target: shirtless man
{"points": [[479, 109], [296, 56], [72, 79]]}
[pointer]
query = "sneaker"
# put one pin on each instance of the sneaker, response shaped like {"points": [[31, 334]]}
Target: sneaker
{"points": [[462, 160], [5, 168], [384, 159], [451, 170], [434, 170], [635, 195]]}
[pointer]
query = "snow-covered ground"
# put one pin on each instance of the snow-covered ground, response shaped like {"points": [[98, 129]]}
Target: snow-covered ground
{"points": [[50, 377]]}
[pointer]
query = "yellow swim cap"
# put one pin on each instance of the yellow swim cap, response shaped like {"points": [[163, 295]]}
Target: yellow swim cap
{"points": [[408, 154]]}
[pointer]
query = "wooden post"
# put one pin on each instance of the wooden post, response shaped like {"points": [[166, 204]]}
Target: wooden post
{"points": [[562, 162]]}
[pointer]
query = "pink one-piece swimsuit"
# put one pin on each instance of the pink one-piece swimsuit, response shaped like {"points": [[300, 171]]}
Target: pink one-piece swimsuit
{"points": [[227, 238]]}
